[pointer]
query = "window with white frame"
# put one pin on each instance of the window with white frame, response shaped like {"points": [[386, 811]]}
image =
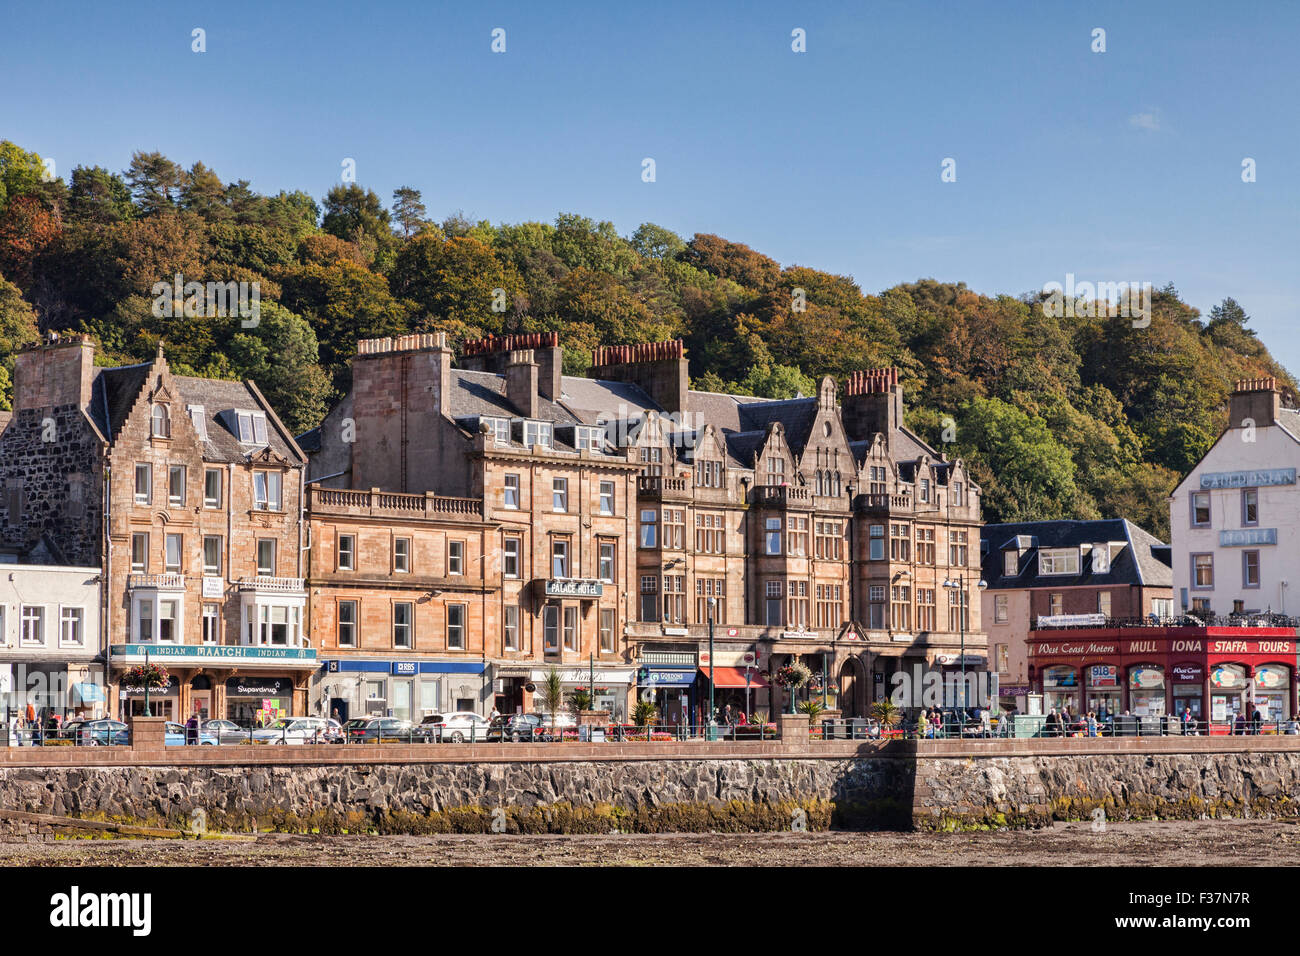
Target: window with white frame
{"points": [[199, 420], [347, 624], [71, 627], [162, 422], [607, 497], [176, 486], [144, 619], [649, 528], [606, 573], [402, 620], [211, 554], [538, 434], [1200, 503], [172, 554], [649, 597], [31, 626], [143, 483], [1056, 561], [1000, 615], [140, 552], [589, 439], [511, 492], [511, 626], [559, 494], [267, 486], [455, 557], [266, 557], [169, 621], [550, 629], [570, 628], [401, 555], [607, 630], [212, 488], [252, 428], [773, 535], [511, 549], [211, 624], [347, 552], [1101, 559], [456, 626], [559, 557]]}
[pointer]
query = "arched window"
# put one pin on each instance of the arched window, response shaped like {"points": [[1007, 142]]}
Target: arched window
{"points": [[162, 423]]}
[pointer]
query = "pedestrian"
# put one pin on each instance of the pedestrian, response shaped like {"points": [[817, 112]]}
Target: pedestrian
{"points": [[923, 727], [1239, 724], [192, 730], [986, 725], [1256, 721], [726, 715]]}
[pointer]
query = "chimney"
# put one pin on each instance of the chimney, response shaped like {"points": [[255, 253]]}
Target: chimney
{"points": [[399, 387], [521, 382], [659, 368], [492, 354], [873, 402], [1257, 399], [57, 372]]}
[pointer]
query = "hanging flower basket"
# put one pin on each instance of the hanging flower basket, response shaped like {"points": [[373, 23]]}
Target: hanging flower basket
{"points": [[793, 675], [141, 676]]}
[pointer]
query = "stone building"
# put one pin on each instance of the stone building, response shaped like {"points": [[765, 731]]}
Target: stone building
{"points": [[186, 493], [606, 520]]}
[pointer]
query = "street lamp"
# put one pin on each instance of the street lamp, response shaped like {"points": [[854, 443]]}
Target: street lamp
{"points": [[960, 587], [712, 602]]}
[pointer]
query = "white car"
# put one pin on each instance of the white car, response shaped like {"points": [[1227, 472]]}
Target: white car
{"points": [[455, 727], [294, 730]]}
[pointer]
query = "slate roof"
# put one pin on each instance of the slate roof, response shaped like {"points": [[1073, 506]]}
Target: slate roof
{"points": [[720, 410], [1139, 563], [590, 399], [476, 393], [217, 396], [113, 393]]}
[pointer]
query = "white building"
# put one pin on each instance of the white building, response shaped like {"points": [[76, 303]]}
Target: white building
{"points": [[51, 650], [1234, 518]]}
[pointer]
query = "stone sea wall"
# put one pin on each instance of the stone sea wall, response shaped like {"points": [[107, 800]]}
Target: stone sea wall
{"points": [[674, 794]]}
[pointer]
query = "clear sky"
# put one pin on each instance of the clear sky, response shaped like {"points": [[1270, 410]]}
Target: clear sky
{"points": [[1117, 166]]}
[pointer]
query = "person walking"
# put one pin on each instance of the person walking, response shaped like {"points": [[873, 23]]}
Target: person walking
{"points": [[192, 730]]}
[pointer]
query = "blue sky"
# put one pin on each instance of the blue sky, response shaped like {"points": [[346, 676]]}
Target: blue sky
{"points": [[1115, 166]]}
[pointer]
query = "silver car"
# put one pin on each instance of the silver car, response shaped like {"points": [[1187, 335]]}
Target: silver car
{"points": [[294, 730], [454, 728]]}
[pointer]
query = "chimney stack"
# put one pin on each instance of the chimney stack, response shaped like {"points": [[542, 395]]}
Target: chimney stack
{"points": [[57, 372], [521, 383], [492, 354], [873, 402], [1256, 399], [659, 368]]}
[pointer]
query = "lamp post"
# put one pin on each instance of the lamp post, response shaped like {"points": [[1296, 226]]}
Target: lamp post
{"points": [[960, 587], [712, 602], [146, 684]]}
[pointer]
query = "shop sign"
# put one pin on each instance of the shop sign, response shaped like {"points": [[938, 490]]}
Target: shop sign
{"points": [[1103, 675], [1059, 650], [1145, 678], [1252, 647], [1270, 677], [259, 687], [1060, 677], [1245, 537], [1227, 675], [1248, 479], [217, 652], [957, 660], [583, 676], [574, 587], [652, 677], [1185, 647], [171, 690], [1142, 647], [1188, 672], [404, 668], [1013, 690], [212, 587]]}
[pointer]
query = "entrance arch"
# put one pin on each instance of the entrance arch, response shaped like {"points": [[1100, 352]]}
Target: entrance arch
{"points": [[853, 688]]}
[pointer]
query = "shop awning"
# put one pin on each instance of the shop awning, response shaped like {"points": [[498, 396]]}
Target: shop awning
{"points": [[734, 677]]}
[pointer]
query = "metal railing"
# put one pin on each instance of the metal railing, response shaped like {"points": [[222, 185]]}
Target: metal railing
{"points": [[1268, 619]]}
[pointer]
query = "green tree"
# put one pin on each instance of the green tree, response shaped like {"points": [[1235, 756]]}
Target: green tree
{"points": [[17, 330], [280, 356], [357, 215], [408, 210], [98, 196], [155, 181]]}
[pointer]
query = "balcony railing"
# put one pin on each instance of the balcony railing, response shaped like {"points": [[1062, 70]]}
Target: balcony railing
{"points": [[780, 496], [380, 503], [652, 485], [1042, 621], [886, 502], [284, 585], [157, 582]]}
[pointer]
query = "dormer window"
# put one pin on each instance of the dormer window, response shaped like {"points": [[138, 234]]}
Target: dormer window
{"points": [[162, 422], [1010, 563], [252, 428], [499, 429], [589, 439], [537, 434], [1101, 559], [925, 489], [1058, 561], [199, 420]]}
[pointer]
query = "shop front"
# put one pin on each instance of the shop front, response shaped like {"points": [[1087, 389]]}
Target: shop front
{"points": [[405, 689], [1215, 673], [671, 688], [216, 681], [743, 689], [612, 685]]}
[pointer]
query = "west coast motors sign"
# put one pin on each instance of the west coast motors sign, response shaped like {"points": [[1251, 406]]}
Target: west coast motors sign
{"points": [[1055, 650]]}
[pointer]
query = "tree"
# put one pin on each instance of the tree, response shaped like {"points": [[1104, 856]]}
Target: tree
{"points": [[202, 193], [98, 196], [357, 215], [17, 331], [656, 242], [408, 211], [550, 694], [21, 172], [455, 280], [155, 182], [280, 356]]}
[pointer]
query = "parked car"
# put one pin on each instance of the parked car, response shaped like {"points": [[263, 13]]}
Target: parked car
{"points": [[293, 730], [454, 728], [99, 733], [362, 730], [175, 735], [226, 731], [519, 727]]}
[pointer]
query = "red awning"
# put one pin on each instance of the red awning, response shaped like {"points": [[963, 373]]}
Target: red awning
{"points": [[734, 677]]}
